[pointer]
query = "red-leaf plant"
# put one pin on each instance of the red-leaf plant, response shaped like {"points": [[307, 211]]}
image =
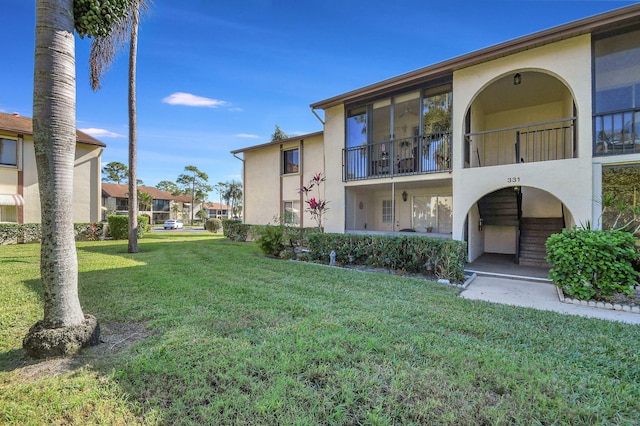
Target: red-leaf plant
{"points": [[316, 206]]}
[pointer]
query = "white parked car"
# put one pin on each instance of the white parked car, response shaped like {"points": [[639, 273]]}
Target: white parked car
{"points": [[173, 224]]}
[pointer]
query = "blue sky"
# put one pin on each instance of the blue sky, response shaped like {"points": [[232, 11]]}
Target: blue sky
{"points": [[214, 76]]}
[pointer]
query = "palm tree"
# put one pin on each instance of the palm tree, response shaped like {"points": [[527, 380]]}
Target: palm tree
{"points": [[103, 52], [233, 194], [64, 328], [176, 208]]}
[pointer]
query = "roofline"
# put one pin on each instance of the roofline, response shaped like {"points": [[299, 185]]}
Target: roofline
{"points": [[81, 137], [602, 22], [291, 139]]}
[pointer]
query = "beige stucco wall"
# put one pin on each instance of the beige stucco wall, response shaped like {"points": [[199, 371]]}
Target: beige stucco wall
{"points": [[266, 188], [86, 184], [334, 134], [570, 181], [261, 185]]}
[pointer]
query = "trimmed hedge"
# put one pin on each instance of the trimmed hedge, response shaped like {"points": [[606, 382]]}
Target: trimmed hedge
{"points": [[12, 233], [119, 226], [404, 253], [213, 225], [590, 262], [235, 230]]}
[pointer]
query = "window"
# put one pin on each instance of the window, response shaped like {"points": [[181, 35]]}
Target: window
{"points": [[387, 211], [122, 204], [290, 161], [617, 94], [291, 215], [8, 152], [8, 214], [433, 213], [161, 205]]}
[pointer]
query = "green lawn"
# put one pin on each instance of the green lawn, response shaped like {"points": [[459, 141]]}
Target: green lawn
{"points": [[243, 339]]}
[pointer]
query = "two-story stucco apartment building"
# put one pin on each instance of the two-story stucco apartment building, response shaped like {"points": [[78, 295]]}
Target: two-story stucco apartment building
{"points": [[19, 190], [496, 147]]}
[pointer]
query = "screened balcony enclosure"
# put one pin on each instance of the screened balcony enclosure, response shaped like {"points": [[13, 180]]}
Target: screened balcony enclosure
{"points": [[418, 208], [405, 134]]}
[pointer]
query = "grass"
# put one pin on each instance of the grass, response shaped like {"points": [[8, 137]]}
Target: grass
{"points": [[244, 339]]}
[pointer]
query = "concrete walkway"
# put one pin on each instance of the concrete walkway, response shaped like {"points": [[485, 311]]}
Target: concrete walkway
{"points": [[536, 294]]}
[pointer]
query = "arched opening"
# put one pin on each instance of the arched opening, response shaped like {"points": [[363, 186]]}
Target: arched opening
{"points": [[522, 117], [512, 224]]}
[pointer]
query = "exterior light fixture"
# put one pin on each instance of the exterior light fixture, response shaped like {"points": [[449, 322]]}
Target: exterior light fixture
{"points": [[517, 79], [404, 196]]}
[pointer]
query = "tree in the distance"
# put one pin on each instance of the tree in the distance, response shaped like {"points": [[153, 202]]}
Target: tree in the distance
{"points": [[115, 172], [194, 183], [168, 186], [279, 135], [64, 329]]}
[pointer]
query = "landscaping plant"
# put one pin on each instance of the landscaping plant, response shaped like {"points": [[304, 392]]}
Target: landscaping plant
{"points": [[590, 262]]}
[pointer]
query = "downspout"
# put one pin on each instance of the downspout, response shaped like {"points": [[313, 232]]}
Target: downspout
{"points": [[317, 116], [244, 204]]}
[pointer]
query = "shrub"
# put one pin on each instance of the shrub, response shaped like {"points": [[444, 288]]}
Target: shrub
{"points": [[119, 226], [590, 262], [269, 239], [12, 233], [9, 233], [235, 230], [213, 224], [88, 231], [408, 253]]}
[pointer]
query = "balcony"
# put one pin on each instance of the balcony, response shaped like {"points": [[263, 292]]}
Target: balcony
{"points": [[400, 157], [544, 141], [617, 133]]}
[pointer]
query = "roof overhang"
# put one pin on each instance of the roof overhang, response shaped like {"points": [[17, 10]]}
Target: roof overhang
{"points": [[596, 24], [291, 139]]}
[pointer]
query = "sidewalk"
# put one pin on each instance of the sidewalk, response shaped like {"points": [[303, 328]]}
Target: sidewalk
{"points": [[536, 294]]}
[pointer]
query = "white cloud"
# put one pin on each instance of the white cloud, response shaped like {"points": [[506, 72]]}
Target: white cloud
{"points": [[246, 135], [181, 98], [101, 133]]}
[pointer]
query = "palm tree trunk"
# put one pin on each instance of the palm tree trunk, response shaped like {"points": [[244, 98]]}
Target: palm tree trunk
{"points": [[64, 329], [54, 134], [133, 190]]}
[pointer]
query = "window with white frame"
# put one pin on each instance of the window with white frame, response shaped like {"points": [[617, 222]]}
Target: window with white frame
{"points": [[8, 152], [387, 211], [291, 213]]}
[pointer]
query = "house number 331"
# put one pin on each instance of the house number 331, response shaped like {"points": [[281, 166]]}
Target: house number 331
{"points": [[513, 179]]}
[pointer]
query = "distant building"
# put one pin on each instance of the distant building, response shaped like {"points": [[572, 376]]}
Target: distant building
{"points": [[217, 210], [115, 200], [19, 189]]}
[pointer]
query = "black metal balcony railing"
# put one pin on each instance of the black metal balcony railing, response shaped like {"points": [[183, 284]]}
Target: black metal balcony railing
{"points": [[399, 157], [545, 141], [617, 133]]}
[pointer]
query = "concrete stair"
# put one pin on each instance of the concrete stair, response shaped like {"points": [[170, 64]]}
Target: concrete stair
{"points": [[499, 208], [534, 232]]}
